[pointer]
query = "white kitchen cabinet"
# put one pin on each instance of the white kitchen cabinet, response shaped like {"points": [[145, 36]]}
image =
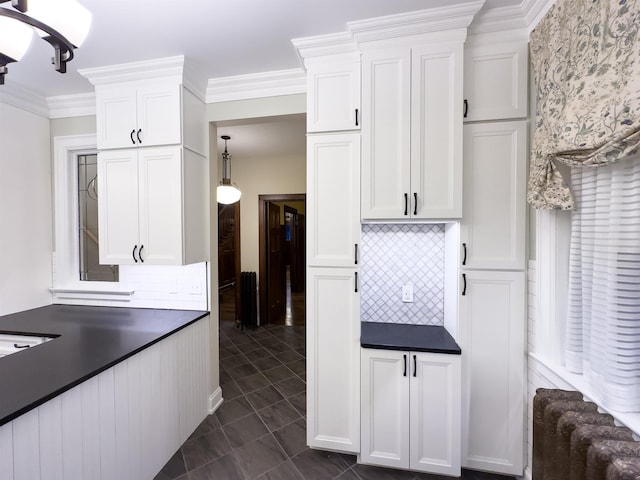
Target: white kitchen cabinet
{"points": [[333, 359], [495, 81], [138, 114], [333, 93], [493, 227], [492, 325], [152, 206], [333, 199], [411, 408], [412, 132]]}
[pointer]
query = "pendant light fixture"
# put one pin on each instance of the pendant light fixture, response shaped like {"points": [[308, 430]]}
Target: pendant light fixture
{"points": [[227, 192], [63, 23]]}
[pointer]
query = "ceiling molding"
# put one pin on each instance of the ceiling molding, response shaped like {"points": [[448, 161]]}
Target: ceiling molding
{"points": [[79, 105], [498, 19], [415, 23], [128, 72], [24, 98], [323, 45], [257, 85], [534, 10]]}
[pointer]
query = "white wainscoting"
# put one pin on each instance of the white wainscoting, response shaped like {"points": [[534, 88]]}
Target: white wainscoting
{"points": [[124, 423]]}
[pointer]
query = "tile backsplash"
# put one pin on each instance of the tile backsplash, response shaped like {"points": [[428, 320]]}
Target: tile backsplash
{"points": [[396, 255]]}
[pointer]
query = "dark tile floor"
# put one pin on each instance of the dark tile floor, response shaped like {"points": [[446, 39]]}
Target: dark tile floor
{"points": [[259, 431]]}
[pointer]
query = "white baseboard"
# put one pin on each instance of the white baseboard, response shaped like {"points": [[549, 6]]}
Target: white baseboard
{"points": [[215, 400], [527, 473]]}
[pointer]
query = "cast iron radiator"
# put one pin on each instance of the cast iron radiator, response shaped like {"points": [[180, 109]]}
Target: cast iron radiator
{"points": [[249, 307], [573, 441]]}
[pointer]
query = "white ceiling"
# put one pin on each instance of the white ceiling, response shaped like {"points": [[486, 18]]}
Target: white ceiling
{"points": [[220, 38]]}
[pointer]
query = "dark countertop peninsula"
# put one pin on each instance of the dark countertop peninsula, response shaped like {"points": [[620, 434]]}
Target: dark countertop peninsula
{"points": [[419, 338], [88, 341]]}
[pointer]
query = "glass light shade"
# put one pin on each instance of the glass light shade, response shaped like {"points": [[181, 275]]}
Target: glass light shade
{"points": [[66, 16], [15, 39], [228, 194]]}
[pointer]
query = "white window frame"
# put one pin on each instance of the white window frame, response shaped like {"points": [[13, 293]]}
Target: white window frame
{"points": [[67, 285]]}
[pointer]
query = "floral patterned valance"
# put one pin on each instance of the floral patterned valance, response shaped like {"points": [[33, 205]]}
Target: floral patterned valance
{"points": [[586, 61]]}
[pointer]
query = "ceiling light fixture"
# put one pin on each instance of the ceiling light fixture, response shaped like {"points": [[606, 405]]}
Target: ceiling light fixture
{"points": [[63, 23], [227, 192]]}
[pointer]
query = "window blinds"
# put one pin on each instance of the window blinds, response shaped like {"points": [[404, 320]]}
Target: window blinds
{"points": [[603, 323]]}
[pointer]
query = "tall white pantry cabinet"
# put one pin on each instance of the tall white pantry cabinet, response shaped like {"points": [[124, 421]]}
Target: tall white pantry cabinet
{"points": [[419, 163]]}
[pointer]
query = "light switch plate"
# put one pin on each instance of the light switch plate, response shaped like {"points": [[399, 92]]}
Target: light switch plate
{"points": [[407, 293]]}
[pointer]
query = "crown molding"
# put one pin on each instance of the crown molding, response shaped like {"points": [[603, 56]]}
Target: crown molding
{"points": [[534, 10], [498, 19], [78, 105], [323, 45], [24, 98], [128, 72], [415, 23], [257, 85]]}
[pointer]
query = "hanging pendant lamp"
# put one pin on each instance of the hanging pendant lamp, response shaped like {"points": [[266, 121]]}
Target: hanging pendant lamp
{"points": [[227, 192]]}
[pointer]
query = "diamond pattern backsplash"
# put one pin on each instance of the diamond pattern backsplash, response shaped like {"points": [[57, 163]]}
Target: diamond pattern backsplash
{"points": [[396, 255]]}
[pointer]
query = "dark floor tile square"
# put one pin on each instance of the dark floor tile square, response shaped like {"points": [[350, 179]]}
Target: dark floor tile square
{"points": [[278, 374], [265, 363], [278, 348], [204, 449], [174, 468], [278, 415], [233, 410], [253, 382], [348, 475], [300, 402], [245, 430], [234, 361], [230, 390], [241, 371], [264, 397], [284, 471], [298, 366], [289, 356], [260, 456], [225, 377], [258, 354], [291, 386], [225, 467], [228, 351], [213, 421], [293, 437], [319, 465], [204, 427]]}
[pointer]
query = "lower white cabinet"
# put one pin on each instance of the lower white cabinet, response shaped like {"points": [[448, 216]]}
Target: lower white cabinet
{"points": [[411, 408], [152, 206], [333, 359], [492, 326]]}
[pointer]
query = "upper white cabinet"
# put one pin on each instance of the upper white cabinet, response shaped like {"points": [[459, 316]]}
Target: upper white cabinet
{"points": [[333, 93], [493, 228], [411, 407], [412, 132], [138, 115], [146, 214], [333, 197], [495, 81]]}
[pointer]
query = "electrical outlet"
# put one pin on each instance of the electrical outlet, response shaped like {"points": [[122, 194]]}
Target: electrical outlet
{"points": [[407, 293]]}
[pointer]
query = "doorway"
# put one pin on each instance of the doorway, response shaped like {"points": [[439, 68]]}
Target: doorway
{"points": [[282, 241]]}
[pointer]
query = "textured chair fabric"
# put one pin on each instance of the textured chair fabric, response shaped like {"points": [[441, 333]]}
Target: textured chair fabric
{"points": [[567, 423], [542, 398], [624, 468], [601, 453], [582, 438]]}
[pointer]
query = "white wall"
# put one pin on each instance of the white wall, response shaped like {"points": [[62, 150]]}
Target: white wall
{"points": [[25, 210]]}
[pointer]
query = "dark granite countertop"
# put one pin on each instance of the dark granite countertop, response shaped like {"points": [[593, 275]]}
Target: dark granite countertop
{"points": [[89, 341], [419, 338]]}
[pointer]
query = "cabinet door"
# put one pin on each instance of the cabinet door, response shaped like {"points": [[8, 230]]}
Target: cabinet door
{"points": [[492, 323], [116, 117], [435, 405], [333, 359], [117, 206], [386, 92], [159, 114], [160, 200], [333, 199], [495, 81], [493, 228], [436, 131], [385, 408], [333, 95]]}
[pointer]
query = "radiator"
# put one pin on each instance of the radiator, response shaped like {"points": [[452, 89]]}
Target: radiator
{"points": [[573, 441], [249, 302]]}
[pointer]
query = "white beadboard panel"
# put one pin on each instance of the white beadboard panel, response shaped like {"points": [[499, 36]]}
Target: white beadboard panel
{"points": [[121, 420], [107, 424], [72, 457], [26, 447], [50, 423], [90, 391], [397, 255], [6, 450], [134, 378]]}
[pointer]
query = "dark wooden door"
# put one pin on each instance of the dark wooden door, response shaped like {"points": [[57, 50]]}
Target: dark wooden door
{"points": [[276, 291]]}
